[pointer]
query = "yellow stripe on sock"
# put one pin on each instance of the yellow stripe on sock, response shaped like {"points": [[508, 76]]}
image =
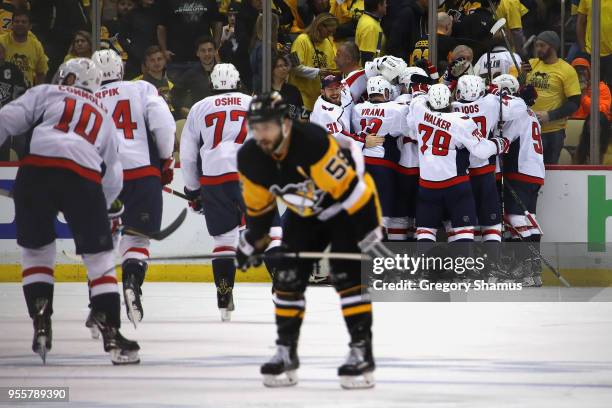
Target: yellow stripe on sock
{"points": [[290, 313], [350, 311]]}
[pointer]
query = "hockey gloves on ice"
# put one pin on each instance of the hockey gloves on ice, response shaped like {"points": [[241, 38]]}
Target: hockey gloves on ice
{"points": [[503, 144], [195, 200]]}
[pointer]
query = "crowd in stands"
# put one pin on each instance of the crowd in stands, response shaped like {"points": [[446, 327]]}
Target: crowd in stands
{"points": [[174, 44]]}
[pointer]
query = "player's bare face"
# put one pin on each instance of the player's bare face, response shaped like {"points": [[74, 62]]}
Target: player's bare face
{"points": [[267, 135], [332, 93]]}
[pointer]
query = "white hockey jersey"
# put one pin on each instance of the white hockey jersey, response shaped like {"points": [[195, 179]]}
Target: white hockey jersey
{"points": [[500, 61], [70, 130], [144, 126], [215, 129], [383, 119], [485, 112], [335, 119], [409, 151], [445, 141], [524, 161]]}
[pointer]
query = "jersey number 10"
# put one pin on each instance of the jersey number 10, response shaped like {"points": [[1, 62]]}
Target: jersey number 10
{"points": [[87, 111]]}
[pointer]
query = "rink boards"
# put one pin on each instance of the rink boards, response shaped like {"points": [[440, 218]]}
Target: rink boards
{"points": [[575, 206]]}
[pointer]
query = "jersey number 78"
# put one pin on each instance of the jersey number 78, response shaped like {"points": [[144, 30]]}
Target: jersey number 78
{"points": [[440, 143]]}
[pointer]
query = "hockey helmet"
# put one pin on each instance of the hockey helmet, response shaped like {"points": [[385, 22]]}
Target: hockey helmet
{"points": [[507, 81], [439, 96], [377, 86], [87, 74], [224, 77], [110, 64], [267, 106], [470, 88]]}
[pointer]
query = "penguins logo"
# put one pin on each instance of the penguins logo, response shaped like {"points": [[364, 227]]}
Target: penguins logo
{"points": [[303, 198]]}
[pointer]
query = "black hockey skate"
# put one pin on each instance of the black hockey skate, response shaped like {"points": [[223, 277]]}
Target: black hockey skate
{"points": [[357, 371], [132, 292], [89, 323], [225, 303], [41, 343], [285, 361], [122, 351]]}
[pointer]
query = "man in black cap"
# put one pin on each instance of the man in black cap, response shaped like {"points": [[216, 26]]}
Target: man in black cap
{"points": [[558, 89]]}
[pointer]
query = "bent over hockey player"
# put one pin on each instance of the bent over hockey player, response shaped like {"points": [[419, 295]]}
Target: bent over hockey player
{"points": [[72, 167], [331, 200], [145, 134]]}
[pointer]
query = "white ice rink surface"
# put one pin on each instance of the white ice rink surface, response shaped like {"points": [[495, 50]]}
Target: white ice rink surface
{"points": [[428, 354]]}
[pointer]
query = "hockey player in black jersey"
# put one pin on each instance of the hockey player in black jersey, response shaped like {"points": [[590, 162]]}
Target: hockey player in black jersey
{"points": [[331, 200]]}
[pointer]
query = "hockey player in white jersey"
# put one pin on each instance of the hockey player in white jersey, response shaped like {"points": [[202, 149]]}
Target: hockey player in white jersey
{"points": [[404, 81], [386, 119], [214, 132], [484, 109], [71, 166], [445, 141], [329, 113], [145, 132], [523, 171]]}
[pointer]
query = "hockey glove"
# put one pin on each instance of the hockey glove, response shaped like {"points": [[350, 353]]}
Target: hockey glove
{"points": [[493, 89], [528, 93], [246, 253], [167, 171], [428, 67], [195, 200], [503, 144], [114, 215]]}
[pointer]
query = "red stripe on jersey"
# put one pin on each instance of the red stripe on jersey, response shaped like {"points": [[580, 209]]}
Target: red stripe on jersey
{"points": [[463, 231], [498, 176], [143, 251], [353, 136], [524, 178], [62, 163], [214, 180], [102, 280], [491, 232], [482, 170], [453, 181], [224, 248], [422, 231], [37, 269], [409, 171], [397, 230], [141, 172], [351, 79]]}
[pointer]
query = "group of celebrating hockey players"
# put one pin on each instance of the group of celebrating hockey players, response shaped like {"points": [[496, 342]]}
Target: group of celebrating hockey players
{"points": [[389, 155]]}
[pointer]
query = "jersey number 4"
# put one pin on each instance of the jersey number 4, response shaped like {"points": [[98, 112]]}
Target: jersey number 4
{"points": [[440, 143], [87, 112], [123, 119], [217, 119]]}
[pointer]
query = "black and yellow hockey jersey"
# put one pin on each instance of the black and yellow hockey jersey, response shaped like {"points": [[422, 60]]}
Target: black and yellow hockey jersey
{"points": [[316, 178]]}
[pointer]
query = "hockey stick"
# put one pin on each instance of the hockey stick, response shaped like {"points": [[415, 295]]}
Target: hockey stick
{"points": [[6, 193], [539, 254], [175, 193], [158, 235], [296, 255], [523, 207]]}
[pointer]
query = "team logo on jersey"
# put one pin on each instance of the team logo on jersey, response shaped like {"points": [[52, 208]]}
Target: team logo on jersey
{"points": [[540, 80], [304, 198]]}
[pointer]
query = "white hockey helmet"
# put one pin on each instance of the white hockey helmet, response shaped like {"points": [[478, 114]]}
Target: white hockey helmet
{"points": [[391, 67], [470, 88], [439, 96], [378, 85], [507, 81], [87, 74], [224, 76], [110, 64], [406, 75]]}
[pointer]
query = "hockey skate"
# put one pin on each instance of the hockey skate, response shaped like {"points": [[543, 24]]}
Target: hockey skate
{"points": [[41, 343], [89, 323], [225, 302], [131, 295], [122, 351], [285, 361], [357, 370]]}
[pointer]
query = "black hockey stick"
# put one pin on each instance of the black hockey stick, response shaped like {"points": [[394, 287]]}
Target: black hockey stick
{"points": [[6, 193], [158, 235], [537, 253], [175, 193]]}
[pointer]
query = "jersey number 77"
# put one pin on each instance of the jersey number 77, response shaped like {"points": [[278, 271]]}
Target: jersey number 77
{"points": [[217, 119]]}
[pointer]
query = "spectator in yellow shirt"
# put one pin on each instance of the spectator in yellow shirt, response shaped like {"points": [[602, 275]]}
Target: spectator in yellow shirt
{"points": [[556, 83], [369, 36], [348, 13], [24, 50], [315, 50], [513, 11], [583, 35]]}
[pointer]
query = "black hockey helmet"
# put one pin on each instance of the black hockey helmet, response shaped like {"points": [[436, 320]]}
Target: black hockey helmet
{"points": [[267, 106]]}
